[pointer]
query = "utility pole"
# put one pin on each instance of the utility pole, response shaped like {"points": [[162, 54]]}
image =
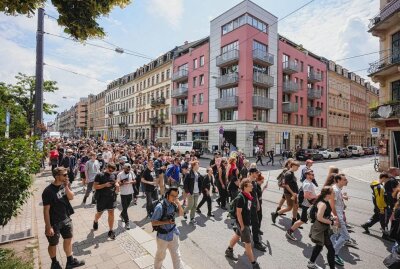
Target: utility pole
{"points": [[38, 118]]}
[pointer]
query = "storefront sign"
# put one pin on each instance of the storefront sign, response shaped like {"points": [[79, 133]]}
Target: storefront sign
{"points": [[286, 135]]}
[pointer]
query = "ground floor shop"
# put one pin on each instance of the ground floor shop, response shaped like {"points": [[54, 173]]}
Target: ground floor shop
{"points": [[245, 136], [389, 144]]}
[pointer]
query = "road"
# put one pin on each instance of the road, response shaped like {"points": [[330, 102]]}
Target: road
{"points": [[203, 245]]}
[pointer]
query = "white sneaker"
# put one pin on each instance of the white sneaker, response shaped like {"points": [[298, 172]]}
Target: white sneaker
{"points": [[313, 265]]}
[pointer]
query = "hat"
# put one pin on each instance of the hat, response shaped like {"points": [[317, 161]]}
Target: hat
{"points": [[127, 165], [309, 161], [185, 166], [99, 155], [253, 170], [123, 158], [69, 151]]}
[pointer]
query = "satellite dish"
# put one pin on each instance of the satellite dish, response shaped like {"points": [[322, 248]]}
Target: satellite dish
{"points": [[385, 111]]}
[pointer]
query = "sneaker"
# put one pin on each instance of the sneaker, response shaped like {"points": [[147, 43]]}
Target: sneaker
{"points": [[256, 265], [127, 226], [210, 215], [313, 265], [366, 228], [111, 235], [95, 225], [350, 243], [185, 216], [193, 221], [289, 235], [260, 247], [339, 261], [274, 215], [349, 227], [198, 211], [75, 263], [229, 254], [55, 265]]}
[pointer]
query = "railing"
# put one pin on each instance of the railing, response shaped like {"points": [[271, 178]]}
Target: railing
{"points": [[181, 91], [181, 109], [228, 57], [263, 79], [123, 111], [392, 7], [227, 102], [289, 107], [290, 87], [314, 76], [314, 111], [156, 120], [313, 94], [389, 59], [263, 56], [123, 124], [180, 75], [388, 111], [227, 80], [263, 102], [158, 101], [290, 67]]}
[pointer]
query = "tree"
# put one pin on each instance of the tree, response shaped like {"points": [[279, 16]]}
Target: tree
{"points": [[77, 16], [21, 96]]}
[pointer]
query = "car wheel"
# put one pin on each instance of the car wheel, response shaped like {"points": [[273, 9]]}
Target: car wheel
{"points": [[329, 157]]}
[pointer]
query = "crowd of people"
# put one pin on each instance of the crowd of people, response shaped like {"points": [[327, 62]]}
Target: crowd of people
{"points": [[109, 170]]}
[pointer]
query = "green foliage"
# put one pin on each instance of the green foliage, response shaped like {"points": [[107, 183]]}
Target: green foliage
{"points": [[8, 260], [77, 16], [19, 160]]}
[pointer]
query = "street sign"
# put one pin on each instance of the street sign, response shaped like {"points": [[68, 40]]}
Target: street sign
{"points": [[285, 135], [375, 132]]}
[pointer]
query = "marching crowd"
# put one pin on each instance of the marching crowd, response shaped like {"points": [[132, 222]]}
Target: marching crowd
{"points": [[109, 170]]}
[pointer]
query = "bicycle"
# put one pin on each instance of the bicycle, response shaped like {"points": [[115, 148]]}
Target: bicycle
{"points": [[376, 164]]}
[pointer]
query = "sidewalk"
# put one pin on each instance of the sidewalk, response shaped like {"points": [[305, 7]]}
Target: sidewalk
{"points": [[133, 249]]}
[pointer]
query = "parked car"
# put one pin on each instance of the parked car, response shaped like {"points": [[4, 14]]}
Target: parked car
{"points": [[329, 153], [343, 152], [308, 154], [356, 150], [186, 147], [368, 151]]}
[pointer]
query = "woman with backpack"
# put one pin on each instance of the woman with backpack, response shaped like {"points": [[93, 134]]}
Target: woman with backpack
{"points": [[321, 214], [233, 178], [221, 183]]}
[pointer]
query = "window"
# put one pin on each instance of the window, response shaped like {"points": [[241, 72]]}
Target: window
{"points": [[260, 46], [158, 78], [285, 58], [285, 118], [230, 47], [260, 115], [301, 102], [194, 82], [181, 119], [194, 99], [201, 78], [201, 98], [301, 119], [396, 90], [201, 119], [227, 115], [202, 60], [194, 117], [301, 66], [195, 63], [228, 92], [168, 73], [162, 76]]}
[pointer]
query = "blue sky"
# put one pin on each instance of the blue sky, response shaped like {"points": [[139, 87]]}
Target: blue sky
{"points": [[333, 29]]}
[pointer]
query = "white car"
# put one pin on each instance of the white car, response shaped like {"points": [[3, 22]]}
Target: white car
{"points": [[356, 150], [329, 154]]}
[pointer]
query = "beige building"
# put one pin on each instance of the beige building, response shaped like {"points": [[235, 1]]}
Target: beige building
{"points": [[67, 122], [96, 115], [386, 72], [81, 117]]}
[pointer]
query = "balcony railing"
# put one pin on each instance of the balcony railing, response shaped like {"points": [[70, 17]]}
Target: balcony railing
{"points": [[158, 101], [180, 75], [157, 120], [181, 91], [288, 107], [262, 102], [314, 94], [123, 111], [227, 102], [227, 58], [290, 67], [177, 110], [290, 87], [123, 124], [389, 111], [110, 112], [227, 80], [263, 80], [314, 76], [314, 111], [392, 7], [385, 62], [263, 57]]}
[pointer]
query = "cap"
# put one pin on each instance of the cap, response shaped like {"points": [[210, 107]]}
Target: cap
{"points": [[123, 158], [127, 165], [185, 166], [253, 170], [309, 161]]}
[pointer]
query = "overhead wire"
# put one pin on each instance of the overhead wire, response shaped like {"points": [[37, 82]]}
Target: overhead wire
{"points": [[74, 72]]}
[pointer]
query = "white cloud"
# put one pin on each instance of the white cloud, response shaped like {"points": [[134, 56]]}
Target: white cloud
{"points": [[169, 10]]}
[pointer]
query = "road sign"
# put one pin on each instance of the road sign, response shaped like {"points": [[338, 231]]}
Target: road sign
{"points": [[375, 132], [285, 135]]}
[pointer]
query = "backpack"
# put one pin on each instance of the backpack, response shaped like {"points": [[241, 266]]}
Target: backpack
{"points": [[280, 178], [300, 196], [312, 213], [54, 154], [233, 206], [158, 228]]}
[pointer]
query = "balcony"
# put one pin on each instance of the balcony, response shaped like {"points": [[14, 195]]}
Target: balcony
{"points": [[157, 121], [387, 65], [179, 110], [313, 94], [314, 77], [227, 80], [290, 87], [123, 125], [180, 75], [262, 57], [228, 58], [123, 111], [262, 102], [290, 67], [110, 112], [387, 18], [181, 91], [262, 80], [288, 107], [314, 111], [386, 112], [158, 102], [227, 102]]}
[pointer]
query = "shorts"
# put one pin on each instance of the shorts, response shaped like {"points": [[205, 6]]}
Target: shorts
{"points": [[64, 228], [104, 203], [303, 216], [245, 236], [289, 200]]}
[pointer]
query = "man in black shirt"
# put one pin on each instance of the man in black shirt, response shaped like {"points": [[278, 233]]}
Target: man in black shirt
{"points": [[390, 185], [57, 211], [69, 162], [243, 215], [106, 187], [148, 179]]}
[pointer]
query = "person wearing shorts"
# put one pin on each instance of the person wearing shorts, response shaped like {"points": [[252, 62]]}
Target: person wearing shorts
{"points": [[57, 211], [106, 187], [243, 214]]}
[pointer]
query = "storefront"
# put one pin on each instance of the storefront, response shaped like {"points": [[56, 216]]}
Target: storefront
{"points": [[201, 137], [298, 141], [259, 139], [181, 135]]}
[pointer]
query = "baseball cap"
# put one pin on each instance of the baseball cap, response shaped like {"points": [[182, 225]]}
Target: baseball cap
{"points": [[184, 166], [127, 165], [123, 158]]}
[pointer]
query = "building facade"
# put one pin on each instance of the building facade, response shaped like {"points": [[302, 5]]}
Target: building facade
{"points": [[67, 122], [96, 115], [386, 72], [81, 117]]}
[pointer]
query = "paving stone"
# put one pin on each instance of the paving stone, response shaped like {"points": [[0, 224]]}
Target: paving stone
{"points": [[144, 261]]}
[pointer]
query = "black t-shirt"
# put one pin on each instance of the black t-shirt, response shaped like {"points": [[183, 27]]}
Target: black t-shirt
{"points": [[390, 185], [245, 205], [244, 172], [60, 207], [149, 176], [254, 194], [290, 180], [103, 178], [214, 168]]}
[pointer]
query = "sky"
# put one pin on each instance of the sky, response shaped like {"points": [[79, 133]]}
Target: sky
{"points": [[334, 29]]}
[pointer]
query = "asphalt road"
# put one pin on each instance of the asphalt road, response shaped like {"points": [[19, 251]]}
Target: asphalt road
{"points": [[202, 246]]}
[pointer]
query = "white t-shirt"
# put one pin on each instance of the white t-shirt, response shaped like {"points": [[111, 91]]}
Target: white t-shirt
{"points": [[126, 189], [339, 203], [308, 187], [196, 183], [107, 156], [92, 168]]}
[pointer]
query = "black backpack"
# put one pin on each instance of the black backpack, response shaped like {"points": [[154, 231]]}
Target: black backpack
{"points": [[233, 206], [300, 196], [312, 213], [158, 228]]}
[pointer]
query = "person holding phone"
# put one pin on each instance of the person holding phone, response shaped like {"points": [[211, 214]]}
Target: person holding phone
{"points": [[126, 178]]}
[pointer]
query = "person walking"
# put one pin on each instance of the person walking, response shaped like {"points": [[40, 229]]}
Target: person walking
{"points": [[69, 162], [206, 191], [306, 168], [148, 179], [222, 184], [126, 178], [259, 154], [172, 173], [57, 211], [192, 186], [270, 155], [92, 168], [53, 157]]}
